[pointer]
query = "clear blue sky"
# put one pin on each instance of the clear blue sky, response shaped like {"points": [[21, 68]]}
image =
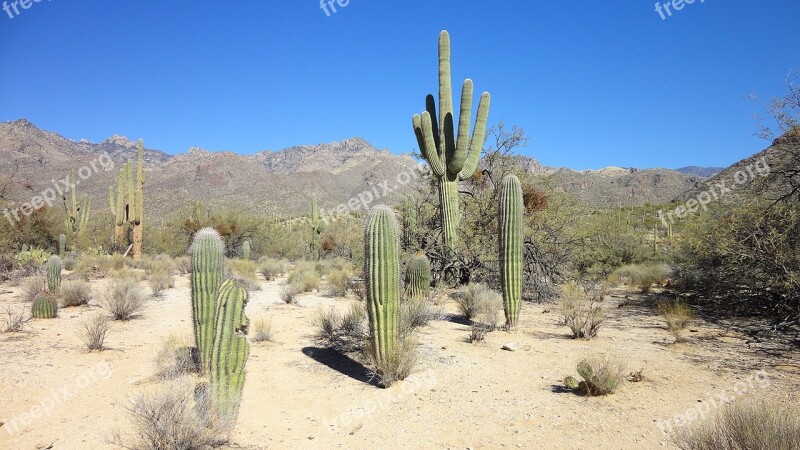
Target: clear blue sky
{"points": [[594, 83]]}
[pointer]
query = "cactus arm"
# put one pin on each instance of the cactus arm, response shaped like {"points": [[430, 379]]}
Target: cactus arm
{"points": [[478, 138], [430, 106], [455, 164], [446, 137], [429, 151], [230, 348]]}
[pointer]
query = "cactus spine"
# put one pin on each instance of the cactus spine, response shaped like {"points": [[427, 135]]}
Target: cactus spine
{"points": [[382, 273], [510, 209], [246, 251], [54, 274], [418, 276], [452, 157], [208, 252], [45, 306], [230, 348], [62, 245], [409, 223]]}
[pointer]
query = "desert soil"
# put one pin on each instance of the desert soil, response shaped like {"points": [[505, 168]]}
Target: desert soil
{"points": [[56, 395]]}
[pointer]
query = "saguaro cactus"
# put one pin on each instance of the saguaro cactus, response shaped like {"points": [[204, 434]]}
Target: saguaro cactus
{"points": [[54, 274], [230, 348], [119, 207], [208, 252], [138, 200], [452, 157], [418, 276], [129, 205], [382, 273], [78, 214], [45, 306], [510, 227], [317, 226], [409, 223], [246, 251], [62, 245]]}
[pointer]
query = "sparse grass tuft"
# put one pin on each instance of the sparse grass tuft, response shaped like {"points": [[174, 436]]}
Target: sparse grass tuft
{"points": [[161, 275], [677, 315], [416, 313], [338, 280], [124, 299], [262, 330], [76, 293], [753, 424], [305, 275], [397, 366], [343, 332], [15, 319], [471, 299], [580, 312], [271, 268], [176, 358], [290, 292], [93, 332]]}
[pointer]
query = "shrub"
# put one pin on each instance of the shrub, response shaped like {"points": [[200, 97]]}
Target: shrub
{"points": [[271, 268], [262, 330], [70, 260], [289, 293], [306, 276], [124, 299], [31, 287], [338, 281], [395, 367], [176, 417], [15, 319], [343, 332], [245, 272], [601, 375], [754, 424], [677, 315], [183, 264], [471, 299], [416, 313], [176, 358], [93, 332], [579, 311], [76, 293], [486, 317], [160, 280], [642, 276]]}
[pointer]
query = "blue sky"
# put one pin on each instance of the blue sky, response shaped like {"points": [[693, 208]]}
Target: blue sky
{"points": [[593, 83]]}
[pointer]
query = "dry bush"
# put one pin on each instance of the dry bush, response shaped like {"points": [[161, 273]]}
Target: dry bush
{"points": [[176, 417], [70, 260], [642, 276], [183, 264], [580, 312], [31, 287], [76, 293], [15, 319], [754, 424], [123, 299], [161, 274], [677, 315], [343, 332], [398, 366], [271, 268], [601, 375], [486, 317], [245, 272], [93, 332], [108, 263], [290, 292], [305, 275], [416, 313], [176, 358], [262, 330], [338, 280], [471, 299]]}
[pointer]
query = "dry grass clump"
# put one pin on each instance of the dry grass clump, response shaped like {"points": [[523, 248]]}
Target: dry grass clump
{"points": [[416, 313], [32, 287], [183, 264], [601, 375], [486, 318], [176, 417], [343, 332], [93, 332], [91, 263], [15, 319], [753, 424], [123, 299], [307, 280], [338, 280], [472, 298], [677, 316], [398, 366], [271, 268], [642, 276], [579, 310], [75, 293], [290, 292], [176, 358], [262, 330], [245, 272], [161, 275]]}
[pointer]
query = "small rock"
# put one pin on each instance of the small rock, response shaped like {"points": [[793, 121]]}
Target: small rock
{"points": [[510, 347]]}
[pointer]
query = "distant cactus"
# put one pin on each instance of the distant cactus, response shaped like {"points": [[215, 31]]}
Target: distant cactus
{"points": [[452, 157], [45, 306], [207, 268], [128, 208], [317, 226], [409, 223], [418, 276], [246, 251], [78, 215], [382, 280], [510, 227], [230, 348], [62, 245], [54, 274]]}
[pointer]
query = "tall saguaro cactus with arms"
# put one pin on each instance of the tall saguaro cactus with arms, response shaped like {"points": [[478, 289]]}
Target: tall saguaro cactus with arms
{"points": [[452, 157]]}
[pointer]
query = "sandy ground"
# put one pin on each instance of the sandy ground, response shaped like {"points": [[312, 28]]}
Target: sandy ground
{"points": [[54, 394]]}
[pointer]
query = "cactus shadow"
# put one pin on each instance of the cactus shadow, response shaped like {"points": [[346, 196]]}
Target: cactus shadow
{"points": [[341, 363], [560, 389], [457, 319]]}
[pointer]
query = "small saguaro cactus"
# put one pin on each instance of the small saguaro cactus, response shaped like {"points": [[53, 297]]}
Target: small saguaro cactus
{"points": [[45, 306], [418, 276], [62, 245], [208, 265], [246, 251], [54, 274], [510, 227], [382, 283], [409, 223], [230, 348], [452, 157], [317, 226]]}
